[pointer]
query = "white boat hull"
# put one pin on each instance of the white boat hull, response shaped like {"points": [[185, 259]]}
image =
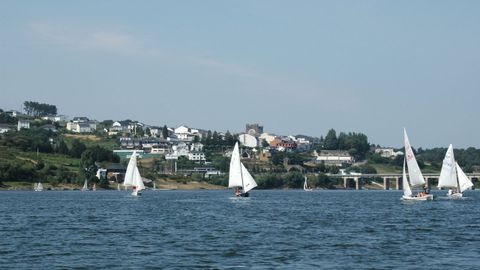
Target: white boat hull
{"points": [[422, 198], [455, 195], [136, 193]]}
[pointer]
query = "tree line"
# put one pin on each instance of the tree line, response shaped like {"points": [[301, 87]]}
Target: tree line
{"points": [[36, 109]]}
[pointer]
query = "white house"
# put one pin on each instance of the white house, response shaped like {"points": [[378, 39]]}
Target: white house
{"points": [[388, 152], [196, 147], [161, 148], [196, 156], [184, 133], [82, 127], [267, 137], [179, 150], [55, 118], [156, 131], [23, 124], [334, 157]]}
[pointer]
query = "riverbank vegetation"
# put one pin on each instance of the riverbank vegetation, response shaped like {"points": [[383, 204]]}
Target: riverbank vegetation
{"points": [[57, 156]]}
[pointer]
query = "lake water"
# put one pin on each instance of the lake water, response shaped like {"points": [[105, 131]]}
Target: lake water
{"points": [[209, 229]]}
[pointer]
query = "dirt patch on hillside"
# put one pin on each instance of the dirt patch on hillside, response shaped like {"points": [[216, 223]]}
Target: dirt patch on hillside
{"points": [[92, 138]]}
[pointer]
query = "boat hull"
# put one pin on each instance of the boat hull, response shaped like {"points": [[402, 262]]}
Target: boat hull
{"points": [[456, 195], [422, 198], [245, 194], [136, 193]]}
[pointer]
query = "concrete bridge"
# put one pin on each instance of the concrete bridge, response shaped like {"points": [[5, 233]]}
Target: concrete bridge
{"points": [[391, 176]]}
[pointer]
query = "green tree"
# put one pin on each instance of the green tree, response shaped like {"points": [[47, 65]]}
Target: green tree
{"points": [[36, 109], [62, 148], [77, 149], [330, 142], [294, 179]]}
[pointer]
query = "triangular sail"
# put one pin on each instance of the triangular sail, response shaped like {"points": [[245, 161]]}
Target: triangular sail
{"points": [[235, 174], [85, 185], [129, 174], [406, 187], [463, 181], [248, 181], [137, 180], [416, 177], [305, 185], [448, 175], [40, 186]]}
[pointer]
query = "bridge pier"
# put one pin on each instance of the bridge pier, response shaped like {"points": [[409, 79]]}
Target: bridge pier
{"points": [[392, 176]]}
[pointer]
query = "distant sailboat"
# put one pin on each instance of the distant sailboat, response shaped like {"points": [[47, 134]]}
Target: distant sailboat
{"points": [[414, 173], [133, 177], [305, 185], [239, 177], [452, 176], [85, 185], [154, 186], [94, 187], [38, 186]]}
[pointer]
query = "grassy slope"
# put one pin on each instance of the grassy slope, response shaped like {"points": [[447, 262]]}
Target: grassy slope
{"points": [[90, 140], [383, 168]]}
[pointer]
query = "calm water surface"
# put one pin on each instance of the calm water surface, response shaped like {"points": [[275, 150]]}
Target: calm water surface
{"points": [[210, 229]]}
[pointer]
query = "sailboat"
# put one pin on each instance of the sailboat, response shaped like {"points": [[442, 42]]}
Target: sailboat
{"points": [[38, 186], [452, 176], [414, 174], [305, 185], [239, 177], [133, 177], [85, 185]]}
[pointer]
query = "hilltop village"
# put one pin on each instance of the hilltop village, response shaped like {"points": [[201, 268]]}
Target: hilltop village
{"points": [[63, 151]]}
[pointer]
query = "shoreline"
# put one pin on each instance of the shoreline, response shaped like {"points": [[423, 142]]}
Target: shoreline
{"points": [[161, 185]]}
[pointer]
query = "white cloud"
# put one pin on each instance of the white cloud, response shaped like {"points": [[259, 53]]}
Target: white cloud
{"points": [[86, 39]]}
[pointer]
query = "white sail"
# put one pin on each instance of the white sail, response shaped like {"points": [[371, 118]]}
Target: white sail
{"points": [[85, 185], [406, 187], [235, 174], [448, 174], [416, 177], [38, 186], [463, 181], [305, 185], [129, 174], [248, 181], [137, 180]]}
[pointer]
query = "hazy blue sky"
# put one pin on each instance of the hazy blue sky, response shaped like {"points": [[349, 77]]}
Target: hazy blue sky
{"points": [[297, 67]]}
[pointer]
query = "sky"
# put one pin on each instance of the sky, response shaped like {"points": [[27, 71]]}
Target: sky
{"points": [[295, 67]]}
